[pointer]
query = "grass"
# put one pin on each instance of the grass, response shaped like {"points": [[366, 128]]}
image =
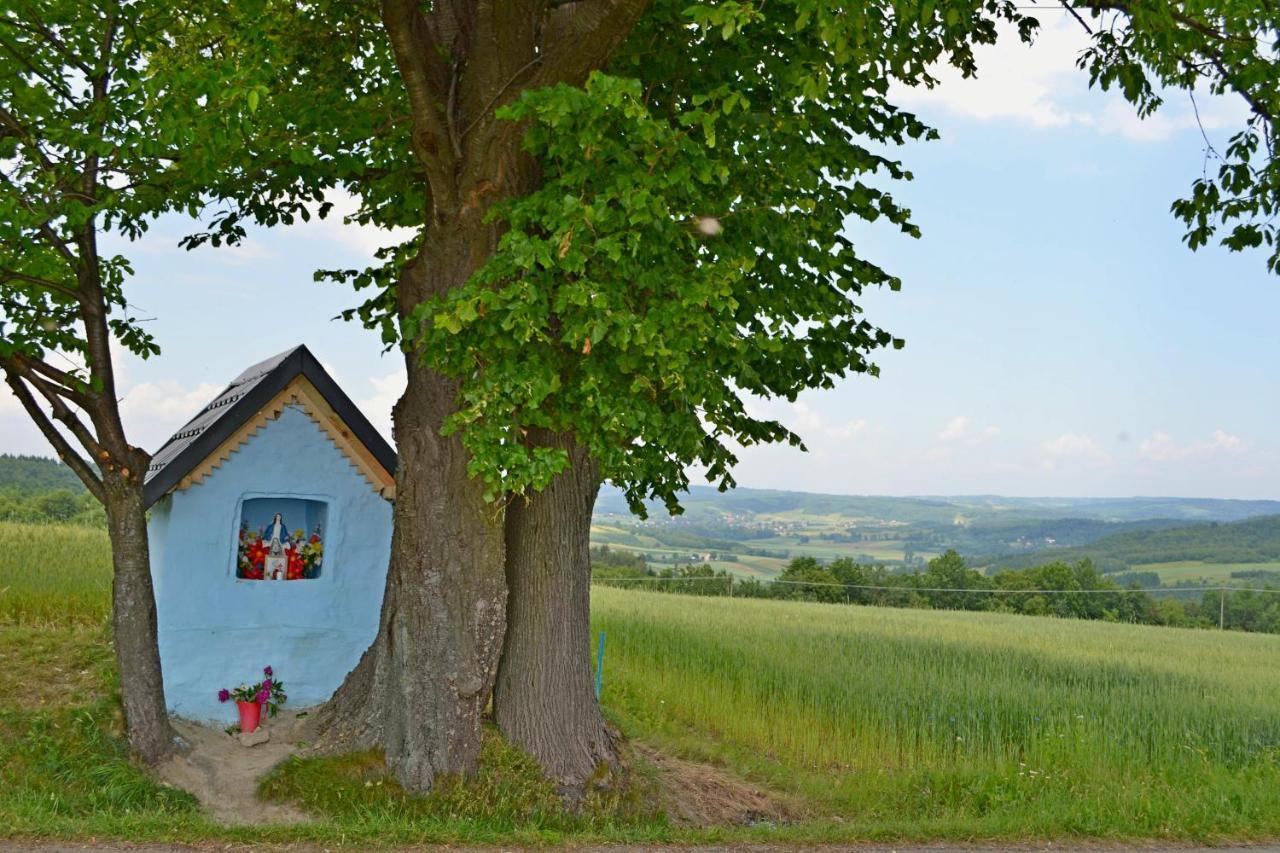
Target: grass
{"points": [[883, 724], [1214, 573], [54, 574], [959, 724]]}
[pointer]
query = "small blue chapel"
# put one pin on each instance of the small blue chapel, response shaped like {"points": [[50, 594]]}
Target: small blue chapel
{"points": [[270, 532]]}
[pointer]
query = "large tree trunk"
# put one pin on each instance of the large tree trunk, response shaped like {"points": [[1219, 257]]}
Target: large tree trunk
{"points": [[544, 699], [133, 610], [421, 688]]}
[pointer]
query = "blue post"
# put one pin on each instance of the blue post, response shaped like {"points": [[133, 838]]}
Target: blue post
{"points": [[599, 666]]}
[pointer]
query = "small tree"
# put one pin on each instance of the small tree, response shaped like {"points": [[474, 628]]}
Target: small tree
{"points": [[89, 147]]}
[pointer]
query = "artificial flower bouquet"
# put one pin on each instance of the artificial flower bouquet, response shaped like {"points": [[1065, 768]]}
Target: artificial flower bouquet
{"points": [[304, 554], [267, 693]]}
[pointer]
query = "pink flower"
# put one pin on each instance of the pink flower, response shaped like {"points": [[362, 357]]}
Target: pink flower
{"points": [[266, 670], [224, 694], [263, 695], [266, 684]]}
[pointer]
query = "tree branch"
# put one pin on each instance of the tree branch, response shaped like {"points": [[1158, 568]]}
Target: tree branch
{"points": [[1213, 54], [62, 289], [68, 381], [582, 35], [418, 57], [52, 82], [53, 395], [50, 236], [21, 132], [36, 28], [61, 446], [1066, 5]]}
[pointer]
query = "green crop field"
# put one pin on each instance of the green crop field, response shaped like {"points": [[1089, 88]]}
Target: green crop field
{"points": [[890, 550], [961, 722], [877, 723], [54, 573], [1214, 573]]}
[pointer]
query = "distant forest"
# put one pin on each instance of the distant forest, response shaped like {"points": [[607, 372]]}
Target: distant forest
{"points": [[37, 489], [1255, 540], [1017, 537]]}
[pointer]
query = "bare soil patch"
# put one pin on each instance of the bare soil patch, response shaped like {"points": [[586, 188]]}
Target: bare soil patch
{"points": [[224, 776], [700, 795]]}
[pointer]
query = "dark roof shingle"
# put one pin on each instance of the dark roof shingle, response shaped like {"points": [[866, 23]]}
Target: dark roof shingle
{"points": [[240, 401]]}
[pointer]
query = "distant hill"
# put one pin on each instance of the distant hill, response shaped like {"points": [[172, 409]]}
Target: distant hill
{"points": [[755, 531], [1255, 540], [22, 476], [1021, 536], [704, 503]]}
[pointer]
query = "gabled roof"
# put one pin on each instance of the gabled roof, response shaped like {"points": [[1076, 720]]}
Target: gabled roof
{"points": [[294, 376]]}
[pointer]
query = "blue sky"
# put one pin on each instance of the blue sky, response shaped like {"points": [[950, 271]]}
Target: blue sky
{"points": [[1060, 338]]}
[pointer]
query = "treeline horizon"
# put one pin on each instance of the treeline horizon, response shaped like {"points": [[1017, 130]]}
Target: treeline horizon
{"points": [[1252, 540], [1074, 591], [39, 490]]}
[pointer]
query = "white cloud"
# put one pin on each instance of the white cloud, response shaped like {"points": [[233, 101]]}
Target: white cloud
{"points": [[1014, 80], [365, 239], [815, 428], [153, 411], [1041, 86], [1072, 447], [963, 428], [1162, 447], [377, 405], [1225, 441], [847, 429], [955, 428], [243, 254]]}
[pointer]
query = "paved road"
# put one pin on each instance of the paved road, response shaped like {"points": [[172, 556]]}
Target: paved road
{"points": [[1055, 847]]}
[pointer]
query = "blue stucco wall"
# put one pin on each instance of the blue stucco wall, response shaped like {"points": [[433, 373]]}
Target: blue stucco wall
{"points": [[219, 631]]}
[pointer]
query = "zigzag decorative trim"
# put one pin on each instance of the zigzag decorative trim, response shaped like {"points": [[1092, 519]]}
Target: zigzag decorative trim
{"points": [[301, 393]]}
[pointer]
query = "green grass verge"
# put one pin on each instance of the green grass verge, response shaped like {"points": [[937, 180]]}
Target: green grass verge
{"points": [[883, 724]]}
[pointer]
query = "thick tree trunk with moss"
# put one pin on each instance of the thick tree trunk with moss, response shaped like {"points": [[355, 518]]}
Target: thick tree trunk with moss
{"points": [[544, 699], [134, 625], [421, 688]]}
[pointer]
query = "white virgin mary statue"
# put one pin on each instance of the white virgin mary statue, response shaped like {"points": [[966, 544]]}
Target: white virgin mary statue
{"points": [[276, 567], [277, 535]]}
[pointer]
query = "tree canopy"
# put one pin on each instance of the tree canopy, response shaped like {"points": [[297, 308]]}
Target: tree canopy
{"points": [[88, 147], [690, 244]]}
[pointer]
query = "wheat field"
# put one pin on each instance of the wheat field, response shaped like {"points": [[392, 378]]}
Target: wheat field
{"points": [[54, 574], [944, 715]]}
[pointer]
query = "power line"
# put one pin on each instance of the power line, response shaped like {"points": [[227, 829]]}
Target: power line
{"points": [[723, 579]]}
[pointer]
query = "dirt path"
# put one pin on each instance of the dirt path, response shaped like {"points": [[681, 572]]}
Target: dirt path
{"points": [[224, 776]]}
